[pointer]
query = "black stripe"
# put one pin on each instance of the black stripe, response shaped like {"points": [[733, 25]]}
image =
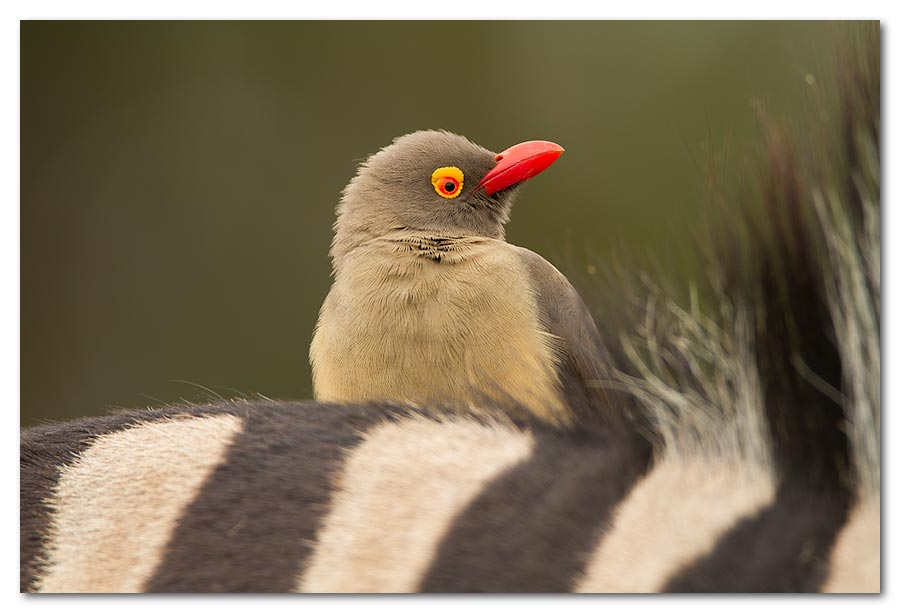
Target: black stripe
{"points": [[533, 528], [253, 525], [44, 450], [783, 548]]}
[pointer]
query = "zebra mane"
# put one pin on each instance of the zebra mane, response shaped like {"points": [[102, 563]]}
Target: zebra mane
{"points": [[776, 351]]}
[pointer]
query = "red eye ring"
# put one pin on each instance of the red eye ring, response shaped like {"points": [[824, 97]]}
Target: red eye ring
{"points": [[448, 186]]}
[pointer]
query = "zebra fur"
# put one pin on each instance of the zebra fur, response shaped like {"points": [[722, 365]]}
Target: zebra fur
{"points": [[752, 463]]}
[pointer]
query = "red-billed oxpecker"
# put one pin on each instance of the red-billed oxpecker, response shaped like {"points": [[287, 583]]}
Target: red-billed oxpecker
{"points": [[431, 305]]}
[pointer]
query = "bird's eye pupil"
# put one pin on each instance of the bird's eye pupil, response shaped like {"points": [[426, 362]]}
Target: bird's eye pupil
{"points": [[449, 186]]}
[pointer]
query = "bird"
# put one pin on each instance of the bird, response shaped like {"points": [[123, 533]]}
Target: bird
{"points": [[429, 303]]}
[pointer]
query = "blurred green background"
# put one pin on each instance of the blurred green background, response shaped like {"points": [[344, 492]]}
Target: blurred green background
{"points": [[178, 180]]}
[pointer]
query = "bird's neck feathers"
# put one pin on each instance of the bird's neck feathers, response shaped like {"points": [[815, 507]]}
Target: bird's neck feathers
{"points": [[440, 249], [410, 246], [355, 237]]}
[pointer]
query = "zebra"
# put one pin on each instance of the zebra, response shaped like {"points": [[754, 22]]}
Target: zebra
{"points": [[747, 458]]}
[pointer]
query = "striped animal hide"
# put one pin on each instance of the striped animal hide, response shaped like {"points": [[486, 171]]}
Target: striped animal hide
{"points": [[277, 497]]}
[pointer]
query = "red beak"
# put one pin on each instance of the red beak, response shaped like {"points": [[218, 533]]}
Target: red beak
{"points": [[518, 163]]}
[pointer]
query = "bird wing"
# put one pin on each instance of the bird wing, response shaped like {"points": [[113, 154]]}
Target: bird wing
{"points": [[584, 361]]}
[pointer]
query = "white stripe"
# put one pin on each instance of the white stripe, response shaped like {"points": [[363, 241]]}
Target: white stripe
{"points": [[401, 490], [856, 556], [117, 506], [671, 517]]}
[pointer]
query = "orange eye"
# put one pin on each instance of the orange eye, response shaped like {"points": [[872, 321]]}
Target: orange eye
{"points": [[447, 181]]}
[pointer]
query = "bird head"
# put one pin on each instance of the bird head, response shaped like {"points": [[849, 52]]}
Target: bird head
{"points": [[437, 183]]}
